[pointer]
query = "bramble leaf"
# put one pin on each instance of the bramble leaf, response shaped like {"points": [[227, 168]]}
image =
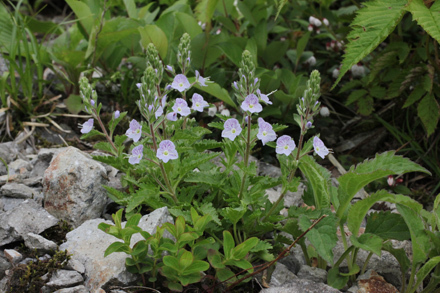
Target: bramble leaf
{"points": [[371, 26], [429, 19]]}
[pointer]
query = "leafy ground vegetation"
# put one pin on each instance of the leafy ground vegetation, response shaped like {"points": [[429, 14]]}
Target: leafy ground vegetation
{"points": [[287, 81]]}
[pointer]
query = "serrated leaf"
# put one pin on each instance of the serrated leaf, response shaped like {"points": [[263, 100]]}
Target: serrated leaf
{"points": [[381, 166], [429, 19], [383, 61], [360, 208], [323, 236], [387, 225], [415, 95], [368, 242], [371, 26], [428, 111], [366, 106], [319, 178], [355, 96]]}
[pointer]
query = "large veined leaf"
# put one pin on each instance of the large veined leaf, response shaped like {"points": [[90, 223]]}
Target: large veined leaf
{"points": [[429, 19], [319, 179], [154, 34], [371, 26], [382, 165]]}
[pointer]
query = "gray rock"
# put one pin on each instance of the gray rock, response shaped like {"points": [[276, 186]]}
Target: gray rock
{"points": [[281, 275], [41, 244], [8, 203], [87, 245], [4, 265], [9, 151], [19, 166], [27, 217], [74, 264], [13, 255], [65, 278], [33, 180], [43, 159], [269, 170], [301, 286], [72, 187], [313, 274], [290, 199], [18, 190], [77, 289]]}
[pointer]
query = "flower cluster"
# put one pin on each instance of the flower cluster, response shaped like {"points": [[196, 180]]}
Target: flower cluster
{"points": [[315, 24]]}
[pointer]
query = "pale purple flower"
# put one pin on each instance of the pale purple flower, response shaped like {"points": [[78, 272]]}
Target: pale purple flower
{"points": [[264, 97], [168, 87], [166, 151], [92, 102], [172, 116], [200, 79], [198, 103], [308, 125], [251, 104], [265, 131], [117, 113], [235, 85], [158, 112], [170, 68], [319, 147], [136, 154], [180, 83], [255, 80], [139, 85], [87, 126], [232, 129], [285, 145], [181, 107], [135, 131]]}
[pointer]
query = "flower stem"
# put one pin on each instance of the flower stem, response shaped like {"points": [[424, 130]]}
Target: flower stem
{"points": [[109, 139], [162, 169], [246, 155]]}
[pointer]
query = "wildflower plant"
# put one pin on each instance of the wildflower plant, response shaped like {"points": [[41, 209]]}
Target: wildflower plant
{"points": [[223, 214]]}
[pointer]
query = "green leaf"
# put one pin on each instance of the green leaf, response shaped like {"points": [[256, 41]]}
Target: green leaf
{"points": [[371, 26], [117, 247], [185, 260], [360, 208], [400, 255], [419, 239], [323, 236], [130, 5], [428, 111], [228, 244], [133, 221], [381, 166], [196, 267], [368, 242], [301, 45], [426, 269], [172, 262], [387, 225], [83, 13], [216, 91], [243, 249], [356, 96], [234, 214], [189, 24], [319, 178], [74, 104], [335, 279], [415, 95], [366, 106], [428, 19], [215, 259], [153, 34]]}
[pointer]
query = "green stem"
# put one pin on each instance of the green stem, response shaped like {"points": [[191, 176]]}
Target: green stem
{"points": [[162, 169], [246, 155], [411, 278], [306, 254], [344, 241], [364, 267]]}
